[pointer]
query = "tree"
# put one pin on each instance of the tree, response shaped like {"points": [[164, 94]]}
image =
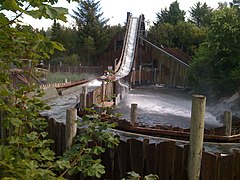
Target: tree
{"points": [[188, 37], [91, 29], [183, 35], [171, 16], [25, 149], [200, 14], [235, 3], [162, 35], [216, 66], [67, 37]]}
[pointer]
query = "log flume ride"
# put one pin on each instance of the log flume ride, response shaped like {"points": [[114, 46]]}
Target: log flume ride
{"points": [[123, 68]]}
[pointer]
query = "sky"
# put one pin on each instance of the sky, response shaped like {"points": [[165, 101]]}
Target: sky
{"points": [[116, 10]]}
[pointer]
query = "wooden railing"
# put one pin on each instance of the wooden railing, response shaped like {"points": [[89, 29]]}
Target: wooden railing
{"points": [[167, 159]]}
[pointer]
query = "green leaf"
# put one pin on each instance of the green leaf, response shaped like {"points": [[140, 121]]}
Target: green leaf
{"points": [[31, 136], [133, 176], [51, 12], [37, 14], [96, 170], [151, 177], [63, 164], [47, 154], [97, 150], [14, 140], [58, 46], [15, 121], [11, 5], [3, 19]]}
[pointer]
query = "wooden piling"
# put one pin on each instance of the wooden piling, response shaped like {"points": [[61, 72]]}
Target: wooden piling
{"points": [[140, 75], [196, 136], [103, 91], [155, 76], [228, 122], [133, 120], [133, 76], [83, 97], [71, 126]]}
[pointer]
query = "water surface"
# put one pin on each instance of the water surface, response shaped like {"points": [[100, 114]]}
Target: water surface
{"points": [[164, 106]]}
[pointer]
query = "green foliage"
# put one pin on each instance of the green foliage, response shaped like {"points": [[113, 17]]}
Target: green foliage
{"points": [[235, 3], [71, 77], [171, 16], [200, 14], [65, 60], [215, 69], [188, 36], [172, 31], [24, 153], [183, 35], [66, 36], [134, 176], [92, 31], [24, 147], [84, 155], [162, 34]]}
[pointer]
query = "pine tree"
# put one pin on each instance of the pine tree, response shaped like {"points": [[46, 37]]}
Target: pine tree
{"points": [[92, 36], [56, 31], [235, 3], [200, 14], [171, 16]]}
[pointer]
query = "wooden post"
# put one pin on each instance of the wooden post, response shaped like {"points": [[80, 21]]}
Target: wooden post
{"points": [[171, 74], [115, 65], [115, 92], [71, 126], [103, 91], [133, 76], [140, 74], [85, 91], [196, 136], [228, 122], [155, 76], [133, 120], [160, 73], [83, 97]]}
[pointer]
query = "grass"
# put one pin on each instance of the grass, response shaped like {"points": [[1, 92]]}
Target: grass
{"points": [[59, 77]]}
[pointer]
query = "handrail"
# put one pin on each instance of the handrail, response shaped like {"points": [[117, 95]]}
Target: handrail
{"points": [[165, 52]]}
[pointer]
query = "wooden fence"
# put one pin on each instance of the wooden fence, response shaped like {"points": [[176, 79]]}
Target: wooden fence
{"points": [[78, 69], [109, 92], [167, 159]]}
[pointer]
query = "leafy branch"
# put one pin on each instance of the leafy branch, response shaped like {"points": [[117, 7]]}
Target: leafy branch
{"points": [[84, 155], [134, 176]]}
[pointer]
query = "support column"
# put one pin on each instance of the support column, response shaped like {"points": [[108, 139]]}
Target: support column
{"points": [[103, 91], [133, 114], [155, 76], [228, 122], [140, 75], [71, 126], [196, 136], [83, 97]]}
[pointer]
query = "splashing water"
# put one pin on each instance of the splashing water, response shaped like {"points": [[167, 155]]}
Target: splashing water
{"points": [[163, 106]]}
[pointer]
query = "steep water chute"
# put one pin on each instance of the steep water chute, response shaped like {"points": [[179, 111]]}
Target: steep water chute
{"points": [[128, 53]]}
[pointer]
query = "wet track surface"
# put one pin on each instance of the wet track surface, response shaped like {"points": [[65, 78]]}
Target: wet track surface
{"points": [[159, 105], [156, 105]]}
